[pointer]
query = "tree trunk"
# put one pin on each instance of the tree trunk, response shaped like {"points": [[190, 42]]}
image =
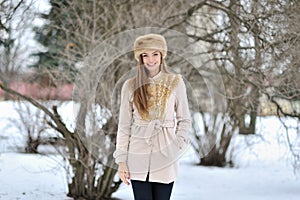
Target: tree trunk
{"points": [[32, 146], [217, 156], [213, 158], [248, 129]]}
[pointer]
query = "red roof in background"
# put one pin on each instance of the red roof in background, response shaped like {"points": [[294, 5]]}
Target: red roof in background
{"points": [[63, 92]]}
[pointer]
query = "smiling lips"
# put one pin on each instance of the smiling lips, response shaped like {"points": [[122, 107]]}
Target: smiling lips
{"points": [[152, 65]]}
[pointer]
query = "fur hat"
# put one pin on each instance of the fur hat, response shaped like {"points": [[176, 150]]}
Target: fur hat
{"points": [[150, 41]]}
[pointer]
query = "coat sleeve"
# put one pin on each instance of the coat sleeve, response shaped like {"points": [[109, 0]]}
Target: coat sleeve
{"points": [[124, 125], [183, 120]]}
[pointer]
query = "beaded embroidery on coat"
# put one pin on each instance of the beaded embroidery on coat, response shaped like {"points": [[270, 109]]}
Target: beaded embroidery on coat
{"points": [[159, 89]]}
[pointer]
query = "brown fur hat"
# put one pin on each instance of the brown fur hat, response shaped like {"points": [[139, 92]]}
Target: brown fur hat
{"points": [[150, 41]]}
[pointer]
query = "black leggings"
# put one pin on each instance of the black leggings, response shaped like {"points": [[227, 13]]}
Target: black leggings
{"points": [[145, 190]]}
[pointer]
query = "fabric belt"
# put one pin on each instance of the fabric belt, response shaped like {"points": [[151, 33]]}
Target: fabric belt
{"points": [[156, 127]]}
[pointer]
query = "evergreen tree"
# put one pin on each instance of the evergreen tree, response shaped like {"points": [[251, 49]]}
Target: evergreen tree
{"points": [[54, 38]]}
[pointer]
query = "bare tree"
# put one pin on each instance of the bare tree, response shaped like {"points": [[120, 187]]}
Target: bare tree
{"points": [[30, 124], [238, 40], [283, 88], [93, 36], [233, 43], [35, 132], [15, 23]]}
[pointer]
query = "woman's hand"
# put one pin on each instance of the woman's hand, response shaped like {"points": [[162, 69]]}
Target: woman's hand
{"points": [[124, 173]]}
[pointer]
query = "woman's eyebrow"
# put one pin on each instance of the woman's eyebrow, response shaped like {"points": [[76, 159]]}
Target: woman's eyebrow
{"points": [[152, 53]]}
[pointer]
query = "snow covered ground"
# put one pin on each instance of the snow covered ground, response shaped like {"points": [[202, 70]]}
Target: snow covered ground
{"points": [[30, 177], [250, 183], [263, 172]]}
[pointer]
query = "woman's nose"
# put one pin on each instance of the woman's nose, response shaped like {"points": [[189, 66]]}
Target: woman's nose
{"points": [[151, 59]]}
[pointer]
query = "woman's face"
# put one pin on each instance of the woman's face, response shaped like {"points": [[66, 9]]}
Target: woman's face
{"points": [[152, 60]]}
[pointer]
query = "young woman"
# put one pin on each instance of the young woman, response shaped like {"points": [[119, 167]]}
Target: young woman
{"points": [[153, 124]]}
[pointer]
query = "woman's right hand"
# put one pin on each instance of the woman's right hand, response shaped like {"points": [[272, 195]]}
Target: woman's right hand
{"points": [[123, 173]]}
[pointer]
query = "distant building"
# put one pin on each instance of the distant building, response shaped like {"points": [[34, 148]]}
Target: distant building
{"points": [[41, 88]]}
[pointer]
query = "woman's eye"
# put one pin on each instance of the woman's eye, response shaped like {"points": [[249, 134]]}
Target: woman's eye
{"points": [[144, 55], [155, 54]]}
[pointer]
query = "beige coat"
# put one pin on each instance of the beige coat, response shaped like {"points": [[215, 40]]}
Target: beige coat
{"points": [[153, 143]]}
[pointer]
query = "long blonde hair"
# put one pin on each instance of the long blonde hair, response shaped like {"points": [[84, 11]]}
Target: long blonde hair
{"points": [[140, 97]]}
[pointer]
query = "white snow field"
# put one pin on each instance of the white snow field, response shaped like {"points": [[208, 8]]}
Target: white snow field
{"points": [[263, 168]]}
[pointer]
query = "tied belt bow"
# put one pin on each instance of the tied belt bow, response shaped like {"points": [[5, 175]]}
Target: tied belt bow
{"points": [[156, 127]]}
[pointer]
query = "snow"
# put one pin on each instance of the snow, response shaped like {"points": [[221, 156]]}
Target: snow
{"points": [[29, 177], [262, 181], [263, 168]]}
